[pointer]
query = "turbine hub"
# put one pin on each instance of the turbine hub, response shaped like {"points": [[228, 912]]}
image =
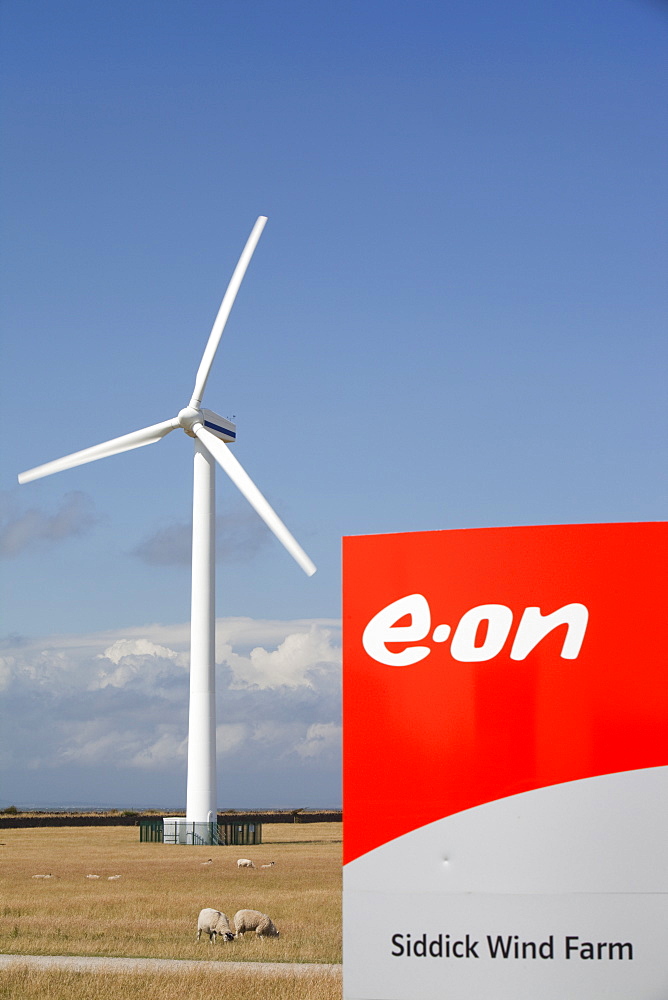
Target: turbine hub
{"points": [[189, 417]]}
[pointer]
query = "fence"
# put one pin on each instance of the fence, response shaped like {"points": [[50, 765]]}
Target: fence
{"points": [[176, 830], [241, 833]]}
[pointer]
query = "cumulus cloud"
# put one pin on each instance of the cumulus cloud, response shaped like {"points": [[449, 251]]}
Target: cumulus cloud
{"points": [[240, 534], [21, 529], [111, 710], [136, 660], [123, 648], [321, 738], [291, 664]]}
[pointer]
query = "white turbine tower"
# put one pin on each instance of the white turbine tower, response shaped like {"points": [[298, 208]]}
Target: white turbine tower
{"points": [[212, 433]]}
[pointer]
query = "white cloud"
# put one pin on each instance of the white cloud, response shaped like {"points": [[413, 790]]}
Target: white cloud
{"points": [[290, 664], [170, 747], [321, 738], [84, 743], [137, 647], [136, 661], [111, 709]]}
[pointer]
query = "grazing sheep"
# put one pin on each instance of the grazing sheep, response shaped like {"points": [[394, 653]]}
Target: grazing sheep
{"points": [[253, 920], [213, 922], [245, 863]]}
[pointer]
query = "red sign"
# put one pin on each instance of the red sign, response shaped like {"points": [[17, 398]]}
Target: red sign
{"points": [[482, 663]]}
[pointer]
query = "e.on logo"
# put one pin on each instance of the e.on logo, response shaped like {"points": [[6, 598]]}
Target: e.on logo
{"points": [[532, 628]]}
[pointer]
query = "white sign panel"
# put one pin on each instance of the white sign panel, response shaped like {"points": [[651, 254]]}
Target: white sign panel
{"points": [[506, 765]]}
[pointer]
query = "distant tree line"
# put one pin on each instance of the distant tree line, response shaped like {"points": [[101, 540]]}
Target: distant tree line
{"points": [[11, 817]]}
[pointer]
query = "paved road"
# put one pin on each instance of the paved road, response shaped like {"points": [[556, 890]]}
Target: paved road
{"points": [[82, 964]]}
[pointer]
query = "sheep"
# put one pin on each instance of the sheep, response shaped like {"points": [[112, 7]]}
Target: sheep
{"points": [[270, 865], [213, 922], [253, 920], [245, 863]]}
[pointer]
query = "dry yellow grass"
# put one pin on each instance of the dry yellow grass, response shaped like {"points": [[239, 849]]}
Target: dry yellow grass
{"points": [[23, 983], [151, 911]]}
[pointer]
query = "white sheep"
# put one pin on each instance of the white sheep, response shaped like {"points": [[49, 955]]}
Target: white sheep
{"points": [[253, 920], [213, 922], [245, 863], [270, 865]]}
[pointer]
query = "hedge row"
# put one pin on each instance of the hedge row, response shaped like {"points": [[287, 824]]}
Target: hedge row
{"points": [[101, 819]]}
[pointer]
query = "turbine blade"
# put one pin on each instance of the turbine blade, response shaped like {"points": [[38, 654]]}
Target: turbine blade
{"points": [[245, 484], [136, 439], [224, 312]]}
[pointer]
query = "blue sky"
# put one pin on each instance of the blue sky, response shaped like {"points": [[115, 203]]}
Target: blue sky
{"points": [[455, 318]]}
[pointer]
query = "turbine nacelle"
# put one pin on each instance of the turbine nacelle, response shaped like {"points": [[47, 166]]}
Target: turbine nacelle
{"points": [[220, 426], [193, 416]]}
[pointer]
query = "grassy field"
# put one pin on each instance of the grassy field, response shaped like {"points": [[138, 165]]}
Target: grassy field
{"points": [[28, 984], [151, 910]]}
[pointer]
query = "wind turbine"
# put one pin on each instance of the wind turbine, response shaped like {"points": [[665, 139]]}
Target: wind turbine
{"points": [[212, 434]]}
